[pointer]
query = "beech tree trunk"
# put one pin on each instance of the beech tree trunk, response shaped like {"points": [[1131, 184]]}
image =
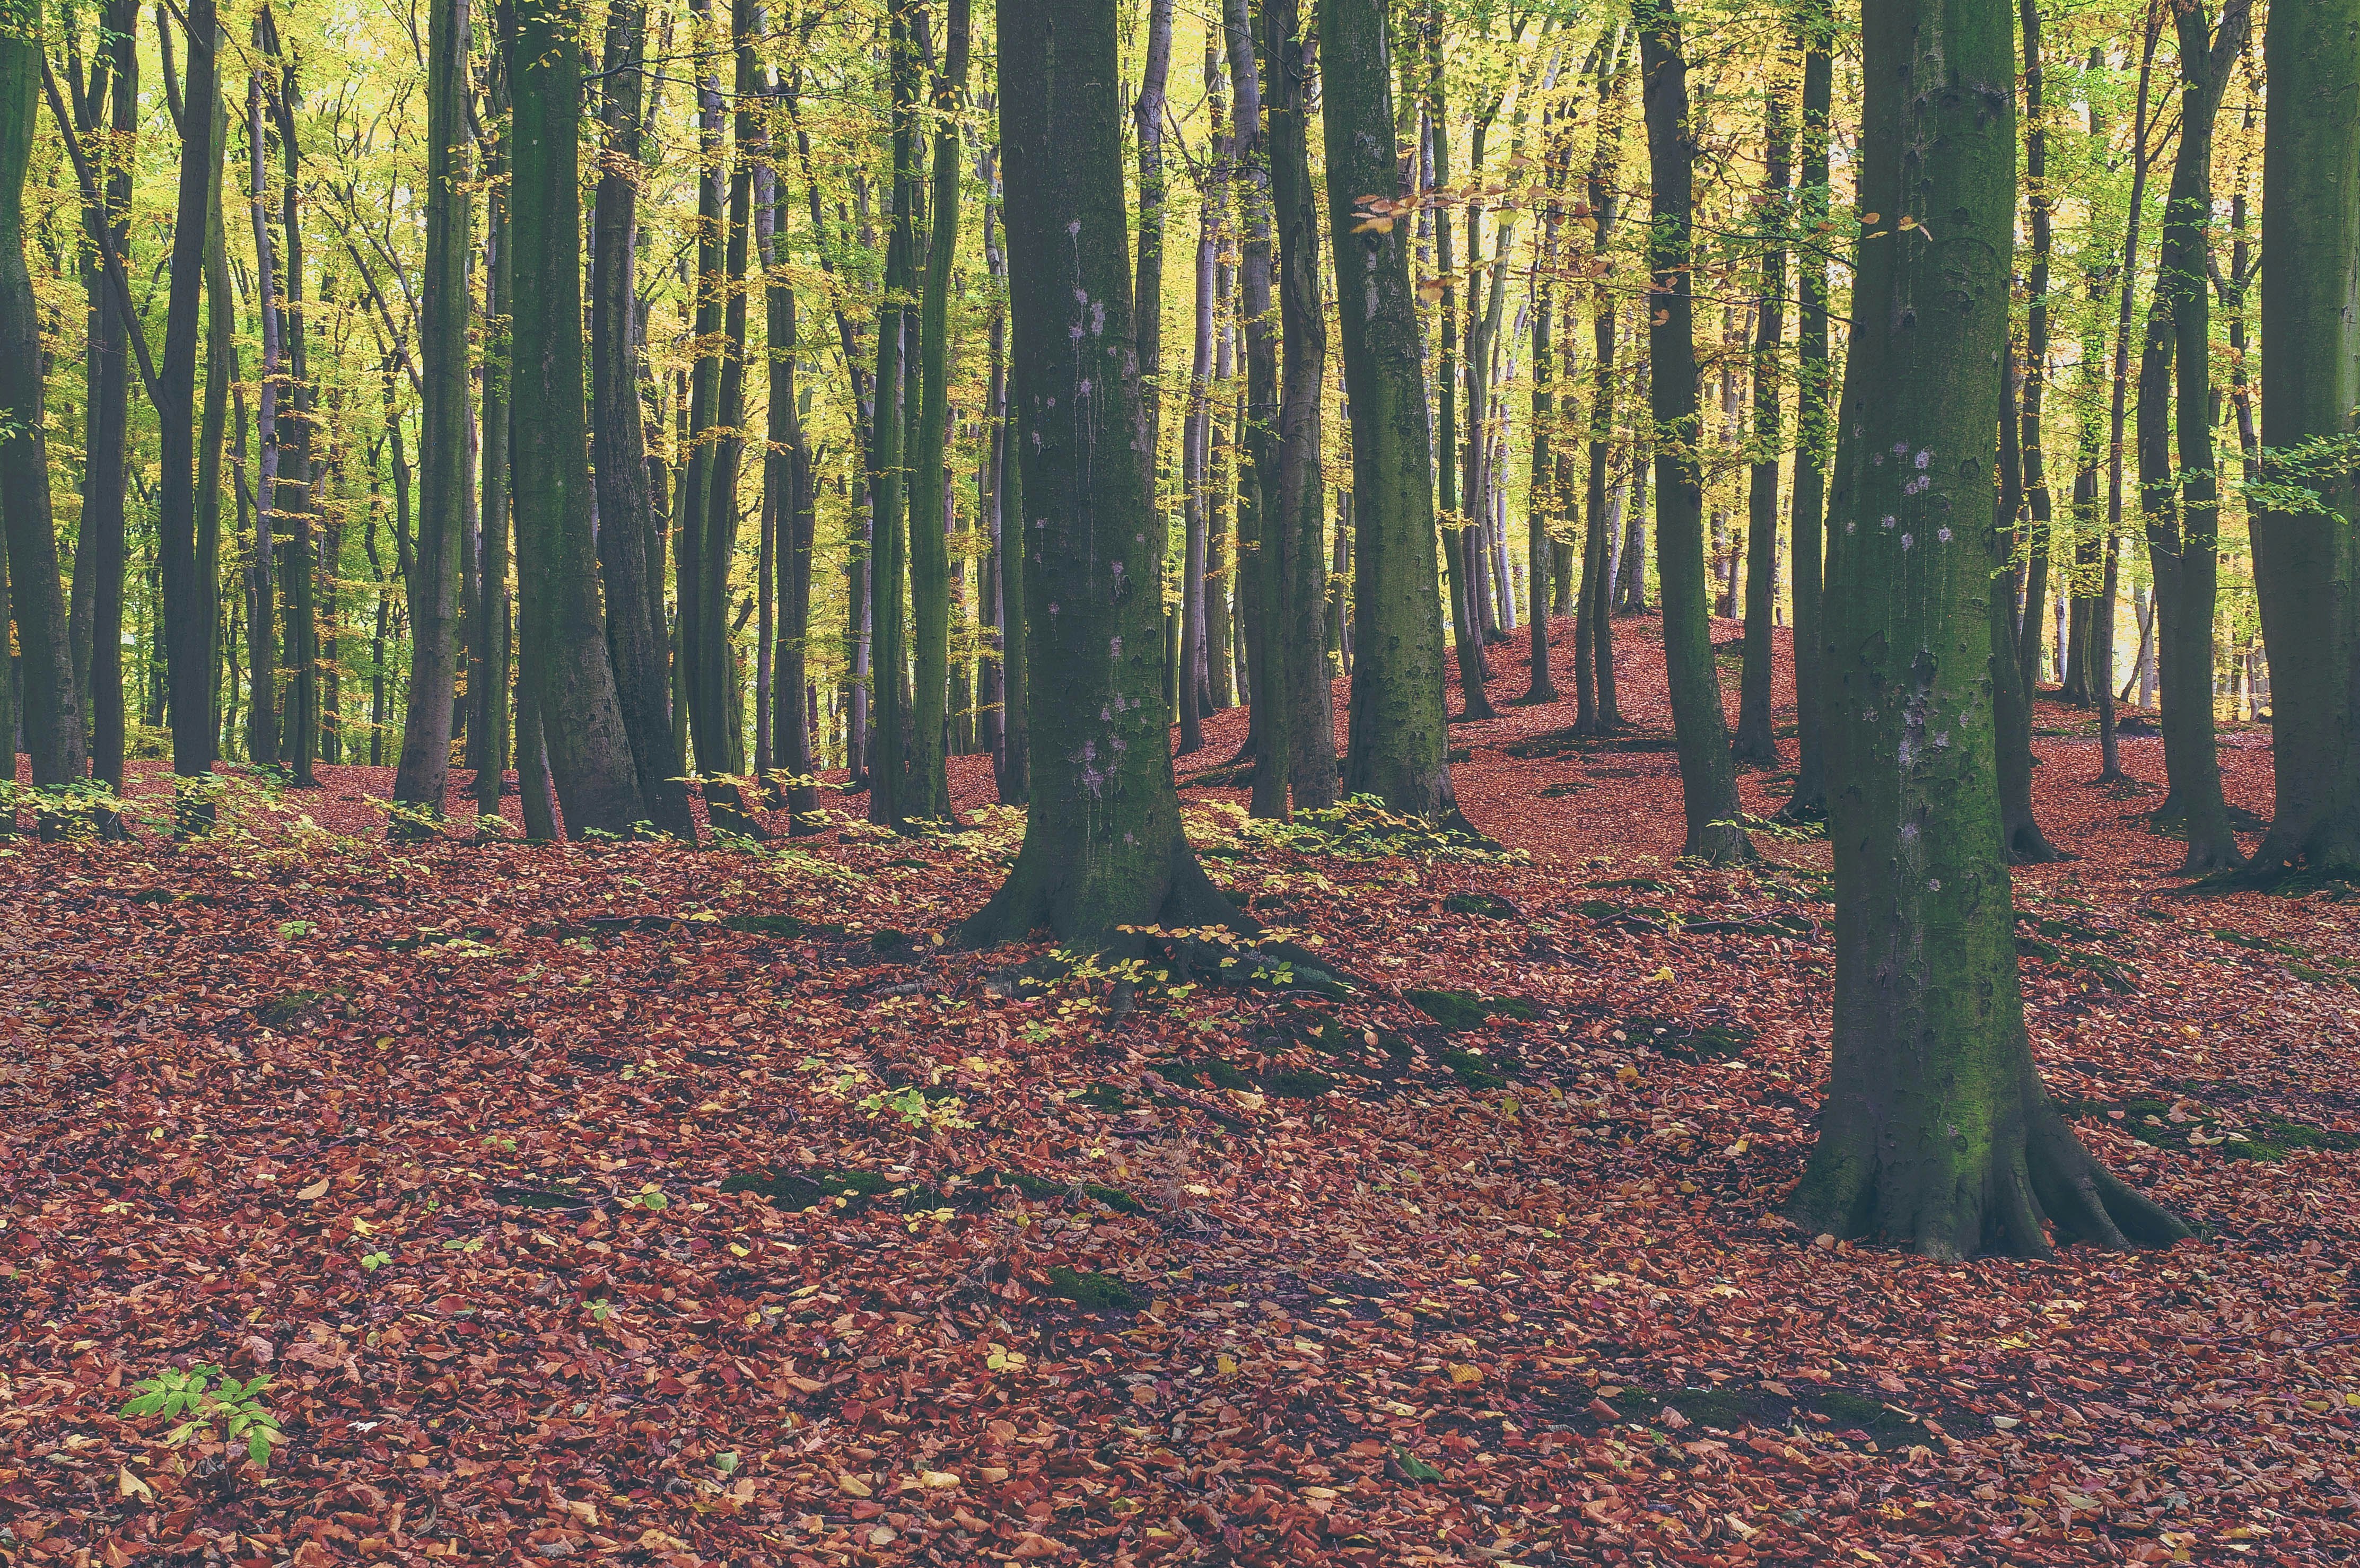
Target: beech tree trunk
{"points": [[1936, 1133], [1397, 746], [1103, 845], [1707, 776], [52, 710], [564, 638], [889, 518], [630, 541], [1296, 522], [1815, 409], [928, 782], [1756, 740], [423, 773], [2307, 556]]}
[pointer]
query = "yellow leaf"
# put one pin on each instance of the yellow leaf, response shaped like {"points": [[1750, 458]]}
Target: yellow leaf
{"points": [[1225, 1363], [1431, 290], [937, 1480], [316, 1190], [131, 1486], [1462, 1373], [1867, 218], [1373, 227], [1662, 976], [854, 1486]]}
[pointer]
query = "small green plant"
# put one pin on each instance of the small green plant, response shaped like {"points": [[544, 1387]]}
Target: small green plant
{"points": [[373, 1261], [649, 1197], [202, 1407]]}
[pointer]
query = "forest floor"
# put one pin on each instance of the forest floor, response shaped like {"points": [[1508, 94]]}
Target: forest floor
{"points": [[632, 1203]]}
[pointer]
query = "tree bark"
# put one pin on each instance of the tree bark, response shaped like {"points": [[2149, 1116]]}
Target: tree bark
{"points": [[488, 679], [630, 541], [928, 783], [1398, 743], [1707, 776], [1815, 408], [52, 714], [889, 518], [565, 661], [422, 776], [1937, 1132], [1474, 701], [2176, 390], [1756, 740], [2307, 554], [1103, 846], [1295, 522]]}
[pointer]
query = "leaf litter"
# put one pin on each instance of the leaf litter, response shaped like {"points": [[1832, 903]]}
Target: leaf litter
{"points": [[630, 1203]]}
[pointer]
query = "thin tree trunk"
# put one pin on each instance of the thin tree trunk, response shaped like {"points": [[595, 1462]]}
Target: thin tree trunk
{"points": [[888, 526], [422, 777], [1815, 403], [1475, 703], [1708, 777], [1756, 740], [928, 785], [2109, 771]]}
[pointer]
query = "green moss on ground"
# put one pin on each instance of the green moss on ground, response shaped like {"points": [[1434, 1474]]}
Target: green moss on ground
{"points": [[1092, 1292]]}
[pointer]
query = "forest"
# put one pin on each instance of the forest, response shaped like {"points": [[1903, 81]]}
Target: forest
{"points": [[1265, 781]]}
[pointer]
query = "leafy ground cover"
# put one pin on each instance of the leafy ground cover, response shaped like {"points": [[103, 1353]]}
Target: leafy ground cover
{"points": [[629, 1203]]}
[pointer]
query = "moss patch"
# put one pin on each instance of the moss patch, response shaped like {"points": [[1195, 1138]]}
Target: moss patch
{"points": [[1473, 1069], [1092, 1292], [1483, 904], [1689, 1042], [1464, 1010], [1298, 1084], [1101, 1098]]}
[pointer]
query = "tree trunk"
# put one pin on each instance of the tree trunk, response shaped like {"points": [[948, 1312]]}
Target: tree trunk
{"points": [[53, 708], [2019, 828], [564, 636], [2307, 558], [2042, 552], [1542, 500], [1398, 742], [1936, 1131], [1296, 519], [422, 777], [1708, 777], [1103, 845], [1756, 740], [189, 578], [488, 681], [2183, 519], [1816, 402], [889, 520], [787, 481], [291, 504], [928, 784], [1196, 434], [2110, 770], [630, 541], [1474, 701]]}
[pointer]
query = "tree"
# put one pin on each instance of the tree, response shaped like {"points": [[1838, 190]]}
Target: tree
{"points": [[1594, 591], [897, 387], [1474, 701], [2175, 400], [929, 786], [1815, 400], [1295, 518], [1756, 741], [630, 541], [2307, 549], [1936, 1131], [1397, 744], [1103, 846], [52, 716], [1708, 777], [565, 634], [424, 774], [188, 571]]}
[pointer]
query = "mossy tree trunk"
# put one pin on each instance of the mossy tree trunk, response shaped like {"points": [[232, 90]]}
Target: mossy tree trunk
{"points": [[1398, 743], [2307, 554], [565, 664], [422, 774], [1936, 1133], [489, 677], [1103, 846], [1707, 776], [897, 330]]}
